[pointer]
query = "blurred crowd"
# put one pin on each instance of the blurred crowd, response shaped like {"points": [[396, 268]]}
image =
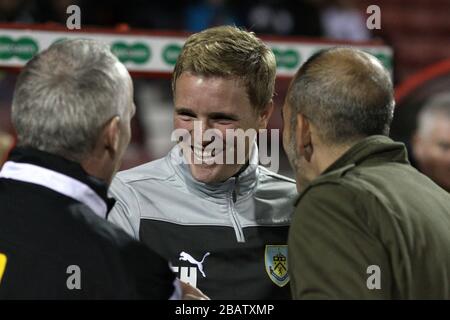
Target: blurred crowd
{"points": [[338, 19]]}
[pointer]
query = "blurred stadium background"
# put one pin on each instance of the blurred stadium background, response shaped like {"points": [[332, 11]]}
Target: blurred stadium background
{"points": [[418, 31]]}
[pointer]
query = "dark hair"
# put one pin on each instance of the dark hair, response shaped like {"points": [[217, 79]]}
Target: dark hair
{"points": [[345, 92]]}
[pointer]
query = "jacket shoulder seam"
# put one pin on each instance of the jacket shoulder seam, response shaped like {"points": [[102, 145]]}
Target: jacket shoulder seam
{"points": [[346, 182], [129, 180], [266, 172]]}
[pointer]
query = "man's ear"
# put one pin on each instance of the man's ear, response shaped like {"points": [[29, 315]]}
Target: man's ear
{"points": [[111, 135], [265, 114], [416, 144], [303, 136]]}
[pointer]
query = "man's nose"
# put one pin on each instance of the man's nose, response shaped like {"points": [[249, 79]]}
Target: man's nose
{"points": [[200, 127]]}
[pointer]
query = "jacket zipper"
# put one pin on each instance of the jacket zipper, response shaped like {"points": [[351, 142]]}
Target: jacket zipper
{"points": [[236, 225]]}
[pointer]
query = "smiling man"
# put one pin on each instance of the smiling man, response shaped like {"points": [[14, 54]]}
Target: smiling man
{"points": [[221, 222]]}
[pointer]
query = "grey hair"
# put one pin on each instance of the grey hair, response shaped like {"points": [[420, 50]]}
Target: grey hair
{"points": [[65, 95], [346, 93], [437, 105]]}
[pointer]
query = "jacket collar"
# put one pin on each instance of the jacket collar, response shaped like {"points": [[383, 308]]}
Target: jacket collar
{"points": [[241, 184], [371, 148], [374, 148], [69, 174]]}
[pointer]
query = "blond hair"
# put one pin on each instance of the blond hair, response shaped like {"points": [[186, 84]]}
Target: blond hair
{"points": [[230, 52]]}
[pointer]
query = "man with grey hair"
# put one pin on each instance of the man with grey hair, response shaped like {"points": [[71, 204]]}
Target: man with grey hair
{"points": [[72, 108], [431, 141], [367, 224]]}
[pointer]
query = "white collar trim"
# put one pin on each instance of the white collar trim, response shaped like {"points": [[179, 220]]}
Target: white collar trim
{"points": [[55, 181]]}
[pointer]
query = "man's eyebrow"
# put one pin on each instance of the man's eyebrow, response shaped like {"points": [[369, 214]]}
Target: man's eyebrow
{"points": [[223, 115], [186, 111], [444, 144]]}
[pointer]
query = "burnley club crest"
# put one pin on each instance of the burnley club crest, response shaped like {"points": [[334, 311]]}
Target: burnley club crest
{"points": [[275, 258]]}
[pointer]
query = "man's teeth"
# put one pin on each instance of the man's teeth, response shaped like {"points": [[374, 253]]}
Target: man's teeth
{"points": [[200, 154]]}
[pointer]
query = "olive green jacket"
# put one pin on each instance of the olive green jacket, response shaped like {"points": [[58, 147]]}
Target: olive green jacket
{"points": [[371, 227]]}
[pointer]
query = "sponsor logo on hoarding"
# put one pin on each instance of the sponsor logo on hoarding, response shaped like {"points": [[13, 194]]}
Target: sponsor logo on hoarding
{"points": [[170, 53], [23, 48], [288, 59], [138, 53]]}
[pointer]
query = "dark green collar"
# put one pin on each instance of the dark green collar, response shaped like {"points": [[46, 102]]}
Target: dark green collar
{"points": [[371, 149]]}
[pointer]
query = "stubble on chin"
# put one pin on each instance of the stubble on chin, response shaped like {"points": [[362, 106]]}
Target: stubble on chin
{"points": [[299, 168]]}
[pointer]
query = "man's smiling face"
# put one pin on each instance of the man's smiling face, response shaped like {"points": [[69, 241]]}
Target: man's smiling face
{"points": [[220, 104]]}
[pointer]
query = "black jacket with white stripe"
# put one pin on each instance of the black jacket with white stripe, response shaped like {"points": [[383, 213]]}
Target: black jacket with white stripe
{"points": [[54, 246]]}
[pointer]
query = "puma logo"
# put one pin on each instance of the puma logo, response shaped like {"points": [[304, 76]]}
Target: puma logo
{"points": [[184, 256]]}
